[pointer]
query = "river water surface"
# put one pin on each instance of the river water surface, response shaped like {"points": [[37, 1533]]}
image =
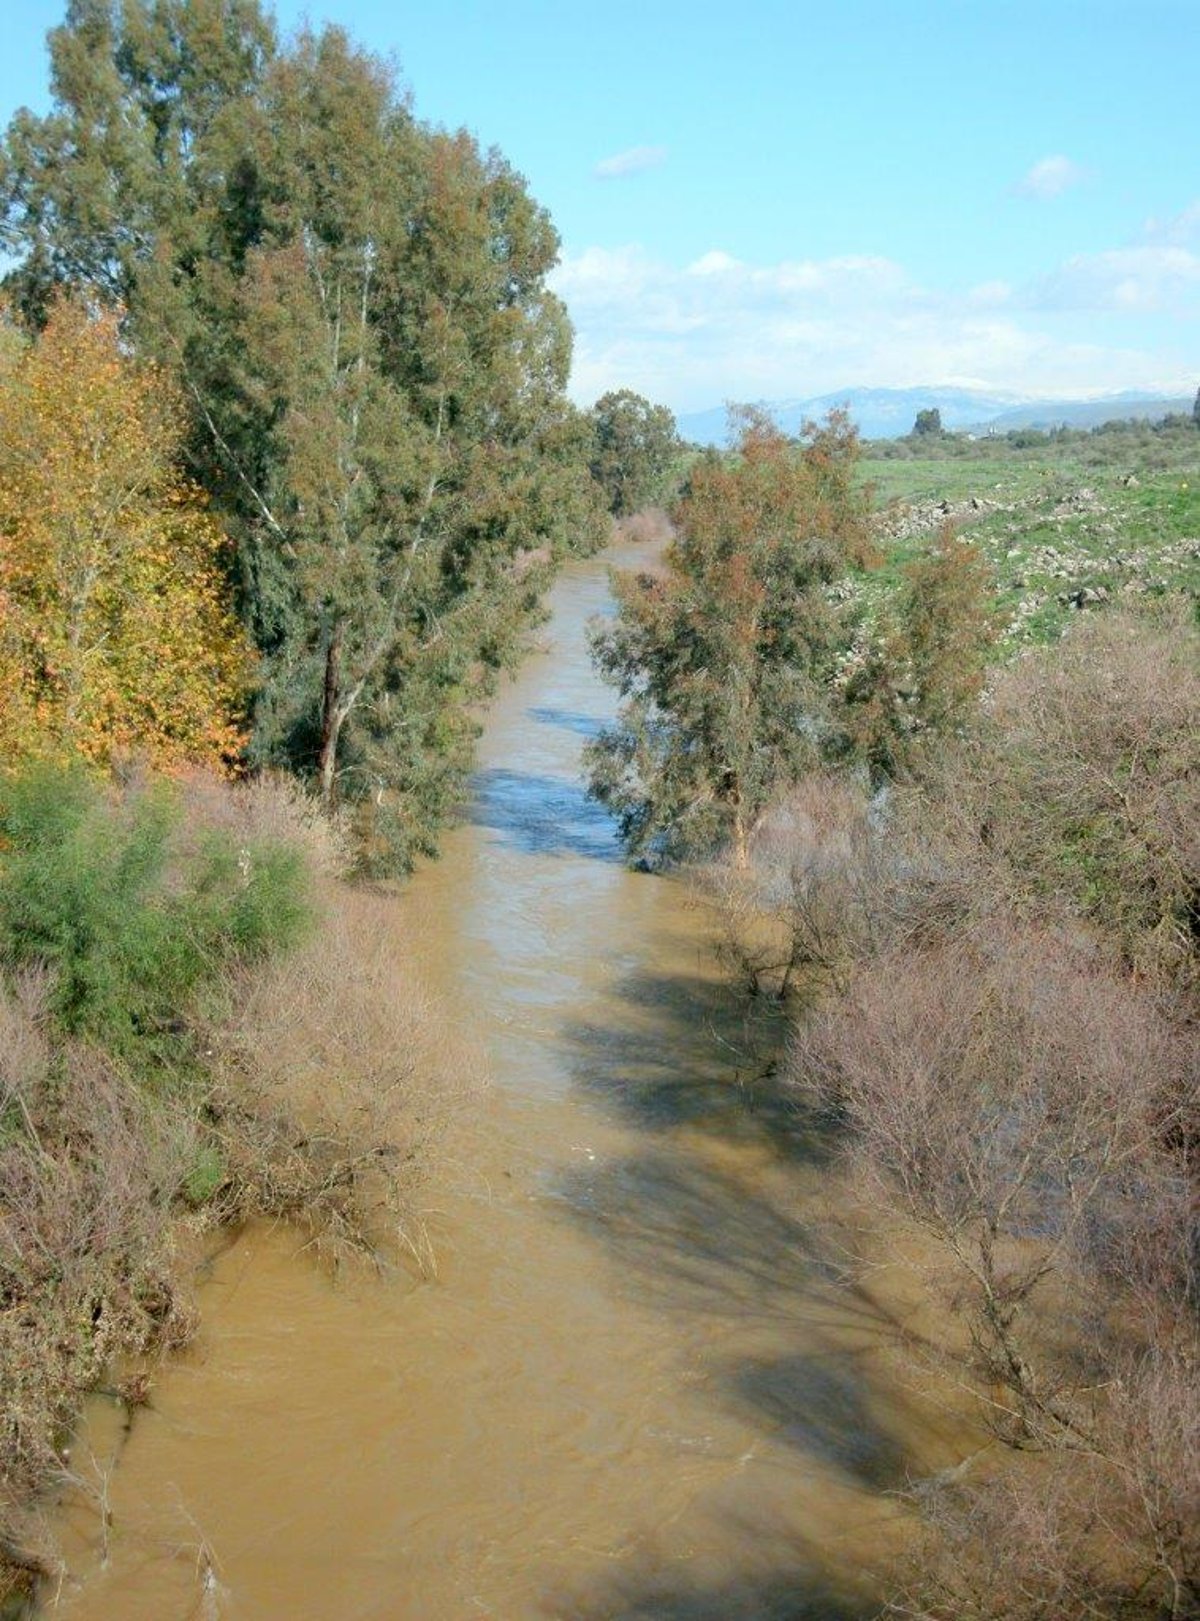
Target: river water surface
{"points": [[636, 1387]]}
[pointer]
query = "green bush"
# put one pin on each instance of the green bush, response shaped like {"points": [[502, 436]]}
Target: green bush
{"points": [[130, 921], [205, 1176]]}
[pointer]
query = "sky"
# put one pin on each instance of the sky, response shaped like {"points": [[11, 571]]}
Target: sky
{"points": [[768, 200]]}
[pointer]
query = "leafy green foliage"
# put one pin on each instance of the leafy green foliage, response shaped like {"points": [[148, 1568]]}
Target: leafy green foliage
{"points": [[98, 891], [142, 136], [635, 448], [923, 670], [725, 660], [205, 1176], [928, 423]]}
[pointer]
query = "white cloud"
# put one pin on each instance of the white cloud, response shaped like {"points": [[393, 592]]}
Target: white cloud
{"points": [[1141, 280], [714, 263], [634, 160], [723, 328], [599, 271], [851, 274], [1178, 229], [1050, 177], [990, 295]]}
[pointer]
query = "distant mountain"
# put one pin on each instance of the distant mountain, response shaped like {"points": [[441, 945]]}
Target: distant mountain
{"points": [[1083, 413], [889, 413], [881, 413]]}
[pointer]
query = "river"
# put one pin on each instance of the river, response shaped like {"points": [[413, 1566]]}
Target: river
{"points": [[638, 1385]]}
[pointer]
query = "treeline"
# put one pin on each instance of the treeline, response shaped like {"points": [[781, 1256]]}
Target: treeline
{"points": [[984, 917], [1165, 441], [345, 317]]}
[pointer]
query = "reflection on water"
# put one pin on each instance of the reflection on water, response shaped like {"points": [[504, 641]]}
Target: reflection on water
{"points": [[640, 1386], [542, 816]]}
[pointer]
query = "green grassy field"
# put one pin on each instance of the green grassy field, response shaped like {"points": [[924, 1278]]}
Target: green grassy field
{"points": [[1067, 525]]}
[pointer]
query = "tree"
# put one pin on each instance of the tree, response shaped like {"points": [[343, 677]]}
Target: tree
{"points": [[356, 309], [634, 447], [405, 369], [116, 634], [140, 145], [925, 670], [928, 423], [1196, 409], [725, 659]]}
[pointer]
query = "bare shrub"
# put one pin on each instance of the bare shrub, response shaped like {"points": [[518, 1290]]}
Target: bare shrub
{"points": [[1027, 1109], [1042, 1539], [273, 808], [795, 917], [1013, 1097], [1081, 793], [89, 1171], [1106, 1531], [333, 1080], [1001, 1032], [650, 527]]}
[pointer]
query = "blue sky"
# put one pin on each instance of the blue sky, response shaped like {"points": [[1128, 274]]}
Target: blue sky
{"points": [[772, 200]]}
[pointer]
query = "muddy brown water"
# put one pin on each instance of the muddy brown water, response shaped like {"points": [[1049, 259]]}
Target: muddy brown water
{"points": [[635, 1388]]}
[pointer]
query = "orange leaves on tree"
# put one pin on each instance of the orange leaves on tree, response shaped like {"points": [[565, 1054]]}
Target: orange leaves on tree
{"points": [[115, 631]]}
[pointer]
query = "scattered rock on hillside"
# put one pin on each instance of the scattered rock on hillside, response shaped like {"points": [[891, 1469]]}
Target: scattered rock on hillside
{"points": [[1086, 597], [907, 522]]}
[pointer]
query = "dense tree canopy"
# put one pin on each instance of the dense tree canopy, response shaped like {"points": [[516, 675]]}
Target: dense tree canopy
{"points": [[634, 447], [114, 632], [724, 660], [355, 308]]}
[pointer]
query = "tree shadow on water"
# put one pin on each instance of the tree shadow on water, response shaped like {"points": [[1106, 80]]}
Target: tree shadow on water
{"points": [[816, 1404], [542, 815], [782, 1595], [689, 1050], [692, 1237], [771, 1310], [569, 720], [708, 1218]]}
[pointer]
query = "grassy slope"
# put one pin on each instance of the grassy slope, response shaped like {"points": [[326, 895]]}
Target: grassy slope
{"points": [[1059, 518]]}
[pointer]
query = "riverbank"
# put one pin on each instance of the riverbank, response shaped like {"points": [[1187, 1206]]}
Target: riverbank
{"points": [[187, 1067], [993, 978]]}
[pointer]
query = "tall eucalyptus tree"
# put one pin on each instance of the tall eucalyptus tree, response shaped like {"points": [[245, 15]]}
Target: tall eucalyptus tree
{"points": [[356, 307]]}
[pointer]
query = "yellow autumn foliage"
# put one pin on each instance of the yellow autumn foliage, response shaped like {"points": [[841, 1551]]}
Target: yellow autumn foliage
{"points": [[116, 636]]}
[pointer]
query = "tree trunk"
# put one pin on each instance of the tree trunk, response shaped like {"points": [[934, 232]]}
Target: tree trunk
{"points": [[331, 715], [741, 840]]}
